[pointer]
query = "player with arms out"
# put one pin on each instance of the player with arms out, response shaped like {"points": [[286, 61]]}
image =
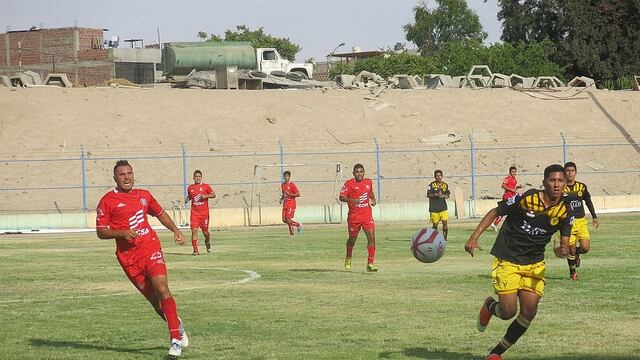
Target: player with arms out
{"points": [[199, 193], [518, 267], [510, 186], [438, 193], [122, 215], [577, 195], [358, 194], [288, 200]]}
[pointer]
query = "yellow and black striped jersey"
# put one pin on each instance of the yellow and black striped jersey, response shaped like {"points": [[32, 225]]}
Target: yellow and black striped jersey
{"points": [[575, 195], [529, 226]]}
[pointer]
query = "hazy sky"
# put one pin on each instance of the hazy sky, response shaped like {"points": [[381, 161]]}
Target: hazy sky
{"points": [[317, 26]]}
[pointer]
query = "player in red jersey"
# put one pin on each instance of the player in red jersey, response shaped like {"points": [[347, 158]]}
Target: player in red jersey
{"points": [[358, 194], [510, 186], [199, 193], [122, 215], [288, 200]]}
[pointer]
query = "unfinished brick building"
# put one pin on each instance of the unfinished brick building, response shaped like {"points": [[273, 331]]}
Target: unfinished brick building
{"points": [[76, 51]]}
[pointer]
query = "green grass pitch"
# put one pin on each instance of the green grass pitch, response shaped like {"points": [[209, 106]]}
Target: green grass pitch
{"points": [[65, 297]]}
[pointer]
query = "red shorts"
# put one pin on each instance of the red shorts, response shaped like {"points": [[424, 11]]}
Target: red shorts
{"points": [[199, 221], [354, 226], [141, 272], [287, 213]]}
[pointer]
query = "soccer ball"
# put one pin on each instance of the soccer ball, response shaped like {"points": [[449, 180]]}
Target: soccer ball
{"points": [[428, 245]]}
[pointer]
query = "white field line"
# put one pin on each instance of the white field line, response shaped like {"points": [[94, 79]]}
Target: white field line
{"points": [[251, 276]]}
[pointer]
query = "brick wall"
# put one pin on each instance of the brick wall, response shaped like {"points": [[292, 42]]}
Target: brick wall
{"points": [[80, 56]]}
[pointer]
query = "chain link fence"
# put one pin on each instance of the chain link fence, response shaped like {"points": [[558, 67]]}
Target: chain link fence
{"points": [[63, 180]]}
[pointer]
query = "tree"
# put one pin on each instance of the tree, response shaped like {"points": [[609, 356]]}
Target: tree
{"points": [[532, 20], [258, 38], [451, 21], [202, 35]]}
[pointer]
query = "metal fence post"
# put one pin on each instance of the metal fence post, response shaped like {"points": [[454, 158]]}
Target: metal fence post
{"points": [[473, 166], [378, 169], [84, 178], [281, 160], [184, 171], [564, 149]]}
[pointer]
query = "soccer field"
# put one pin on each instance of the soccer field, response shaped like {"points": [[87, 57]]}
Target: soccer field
{"points": [[65, 297]]}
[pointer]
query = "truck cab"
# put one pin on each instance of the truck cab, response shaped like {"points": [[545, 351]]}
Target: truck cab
{"points": [[270, 60]]}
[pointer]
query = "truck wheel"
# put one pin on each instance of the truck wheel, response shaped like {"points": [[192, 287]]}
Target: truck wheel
{"points": [[302, 75], [258, 74], [278, 73]]}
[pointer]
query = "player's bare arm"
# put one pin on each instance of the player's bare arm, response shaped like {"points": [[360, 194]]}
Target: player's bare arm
{"points": [[562, 250], [348, 200], [106, 233], [484, 224], [372, 199], [166, 221]]}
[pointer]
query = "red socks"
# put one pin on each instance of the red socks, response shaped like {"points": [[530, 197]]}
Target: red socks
{"points": [[291, 224], [171, 314], [194, 243], [372, 254]]}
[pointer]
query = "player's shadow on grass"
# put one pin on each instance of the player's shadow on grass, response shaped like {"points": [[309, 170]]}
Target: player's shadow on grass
{"points": [[319, 270], [423, 353], [89, 346]]}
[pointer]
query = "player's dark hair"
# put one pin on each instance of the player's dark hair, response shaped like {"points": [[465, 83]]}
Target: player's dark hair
{"points": [[570, 164], [286, 173], [512, 168], [435, 173], [358, 166], [553, 169], [197, 172], [121, 163]]}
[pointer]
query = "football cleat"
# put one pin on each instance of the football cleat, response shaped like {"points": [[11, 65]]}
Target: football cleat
{"points": [[196, 253], [183, 333], [208, 245], [494, 227], [485, 315], [347, 263], [493, 357], [574, 276], [176, 348], [300, 229], [372, 268]]}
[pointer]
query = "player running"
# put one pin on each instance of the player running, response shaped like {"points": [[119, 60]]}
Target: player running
{"points": [[438, 193], [199, 193], [288, 200], [358, 194], [510, 186], [122, 215], [518, 267], [577, 193]]}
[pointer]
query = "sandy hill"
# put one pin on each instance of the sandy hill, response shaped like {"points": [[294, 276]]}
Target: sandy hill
{"points": [[416, 130]]}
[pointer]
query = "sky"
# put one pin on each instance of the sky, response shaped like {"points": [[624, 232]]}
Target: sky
{"points": [[318, 27]]}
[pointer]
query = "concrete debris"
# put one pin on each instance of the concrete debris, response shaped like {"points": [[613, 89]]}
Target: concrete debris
{"points": [[446, 138], [202, 79], [636, 83], [548, 82], [58, 79], [408, 82], [499, 81], [5, 81], [437, 81], [521, 82], [478, 76], [369, 79], [581, 81], [35, 77], [346, 81]]}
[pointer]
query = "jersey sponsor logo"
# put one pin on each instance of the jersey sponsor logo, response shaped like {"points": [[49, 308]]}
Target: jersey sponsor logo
{"points": [[531, 214], [571, 220], [136, 219], [575, 204], [362, 200], [157, 257], [511, 200], [120, 205], [100, 212], [143, 202], [554, 221], [580, 193], [532, 230]]}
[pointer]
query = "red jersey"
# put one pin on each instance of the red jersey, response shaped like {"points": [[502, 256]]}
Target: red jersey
{"points": [[511, 183], [119, 211], [289, 202], [198, 202], [360, 190]]}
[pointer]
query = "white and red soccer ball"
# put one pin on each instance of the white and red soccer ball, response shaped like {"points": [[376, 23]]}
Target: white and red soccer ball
{"points": [[428, 245]]}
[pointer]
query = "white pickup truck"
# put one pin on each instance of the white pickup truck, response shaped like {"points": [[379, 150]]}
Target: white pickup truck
{"points": [[270, 60]]}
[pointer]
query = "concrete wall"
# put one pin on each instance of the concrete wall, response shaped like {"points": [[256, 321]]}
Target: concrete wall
{"points": [[223, 217]]}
